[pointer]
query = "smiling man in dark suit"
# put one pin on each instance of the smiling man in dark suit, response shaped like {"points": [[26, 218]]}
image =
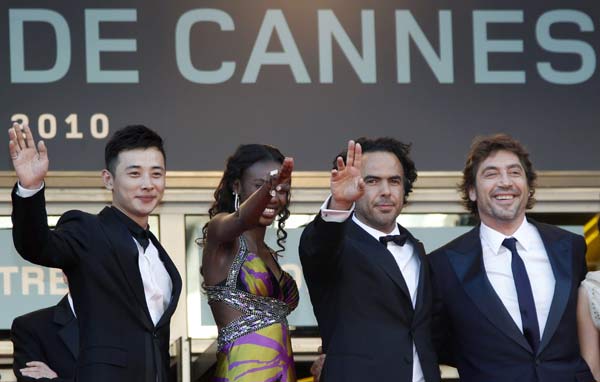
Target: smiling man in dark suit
{"points": [[46, 344], [367, 276], [124, 285], [505, 293]]}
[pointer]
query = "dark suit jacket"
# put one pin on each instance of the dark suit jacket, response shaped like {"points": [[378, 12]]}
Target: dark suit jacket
{"points": [[475, 330], [48, 335], [363, 307], [118, 341]]}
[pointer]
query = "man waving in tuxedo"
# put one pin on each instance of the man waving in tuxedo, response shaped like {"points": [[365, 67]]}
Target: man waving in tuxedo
{"points": [[124, 285], [367, 275]]}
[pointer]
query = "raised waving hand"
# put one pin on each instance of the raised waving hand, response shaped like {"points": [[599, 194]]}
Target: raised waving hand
{"points": [[30, 162], [347, 184]]}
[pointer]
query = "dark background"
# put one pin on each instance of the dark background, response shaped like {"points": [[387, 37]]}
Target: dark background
{"points": [[202, 124]]}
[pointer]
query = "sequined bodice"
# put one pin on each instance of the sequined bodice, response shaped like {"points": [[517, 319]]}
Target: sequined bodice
{"points": [[253, 289]]}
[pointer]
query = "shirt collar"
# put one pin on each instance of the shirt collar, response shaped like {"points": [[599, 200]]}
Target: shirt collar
{"points": [[372, 231], [494, 239], [135, 229], [526, 234], [71, 304]]}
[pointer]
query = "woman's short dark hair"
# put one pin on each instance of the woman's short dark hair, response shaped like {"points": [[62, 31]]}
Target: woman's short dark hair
{"points": [[244, 157], [481, 149]]}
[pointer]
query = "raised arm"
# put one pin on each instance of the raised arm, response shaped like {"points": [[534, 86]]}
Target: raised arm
{"points": [[226, 227], [32, 238], [321, 240]]}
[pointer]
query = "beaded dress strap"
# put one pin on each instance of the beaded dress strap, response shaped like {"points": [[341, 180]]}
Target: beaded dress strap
{"points": [[234, 270]]}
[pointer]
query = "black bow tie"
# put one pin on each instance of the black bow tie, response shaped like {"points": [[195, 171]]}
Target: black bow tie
{"points": [[142, 236], [398, 239]]}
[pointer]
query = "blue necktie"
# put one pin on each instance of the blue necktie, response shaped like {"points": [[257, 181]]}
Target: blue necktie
{"points": [[531, 329]]}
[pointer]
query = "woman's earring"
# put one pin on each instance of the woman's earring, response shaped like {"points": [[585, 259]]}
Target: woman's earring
{"points": [[236, 201]]}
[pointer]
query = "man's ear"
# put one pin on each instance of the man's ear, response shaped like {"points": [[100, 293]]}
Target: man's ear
{"points": [[472, 194], [107, 178]]}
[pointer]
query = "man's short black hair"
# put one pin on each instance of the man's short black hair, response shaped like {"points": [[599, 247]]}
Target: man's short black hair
{"points": [[393, 146], [130, 138]]}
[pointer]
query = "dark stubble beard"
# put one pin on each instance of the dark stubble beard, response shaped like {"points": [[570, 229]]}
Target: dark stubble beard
{"points": [[378, 222]]}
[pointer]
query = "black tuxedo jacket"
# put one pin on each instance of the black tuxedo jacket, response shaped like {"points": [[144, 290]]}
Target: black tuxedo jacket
{"points": [[474, 331], [363, 307], [118, 340], [48, 335]]}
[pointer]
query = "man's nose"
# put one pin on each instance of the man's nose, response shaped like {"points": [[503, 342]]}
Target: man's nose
{"points": [[147, 182], [385, 188], [505, 179]]}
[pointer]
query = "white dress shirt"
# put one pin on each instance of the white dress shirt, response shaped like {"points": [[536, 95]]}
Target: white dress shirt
{"points": [[408, 263], [497, 262], [157, 282], [155, 278]]}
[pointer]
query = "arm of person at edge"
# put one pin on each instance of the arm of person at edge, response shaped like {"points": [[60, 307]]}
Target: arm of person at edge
{"points": [[589, 339], [40, 372], [28, 363], [321, 240], [31, 235], [226, 227]]}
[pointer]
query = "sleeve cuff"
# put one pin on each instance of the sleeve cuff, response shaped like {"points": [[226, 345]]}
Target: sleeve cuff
{"points": [[335, 216], [27, 193]]}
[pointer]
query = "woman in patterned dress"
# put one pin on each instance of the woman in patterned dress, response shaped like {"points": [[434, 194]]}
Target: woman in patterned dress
{"points": [[588, 321], [248, 292]]}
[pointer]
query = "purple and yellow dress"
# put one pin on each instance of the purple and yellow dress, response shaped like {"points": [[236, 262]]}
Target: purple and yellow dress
{"points": [[256, 346]]}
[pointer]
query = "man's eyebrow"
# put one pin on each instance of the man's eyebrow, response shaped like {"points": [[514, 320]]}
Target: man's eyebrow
{"points": [[489, 168], [137, 167], [379, 177]]}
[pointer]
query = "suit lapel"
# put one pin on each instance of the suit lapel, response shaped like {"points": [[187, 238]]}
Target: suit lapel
{"points": [[69, 330], [175, 281], [467, 262], [379, 255], [423, 275], [126, 252], [558, 250]]}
